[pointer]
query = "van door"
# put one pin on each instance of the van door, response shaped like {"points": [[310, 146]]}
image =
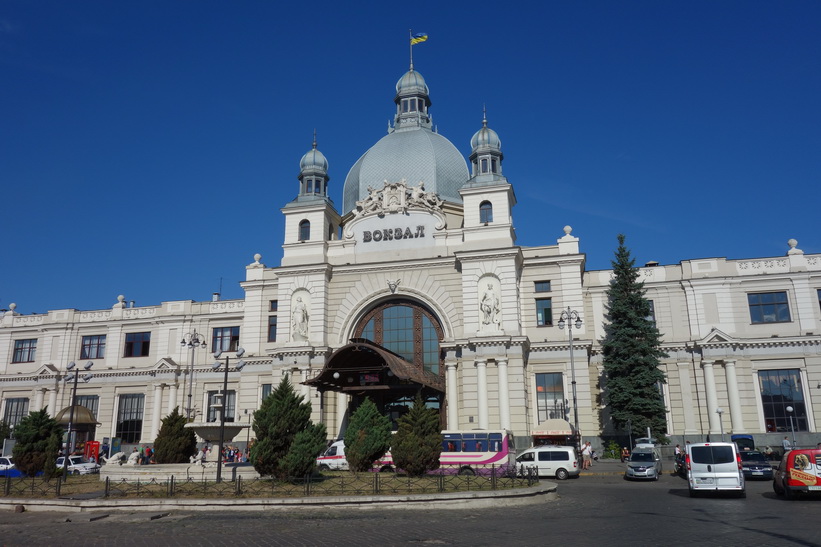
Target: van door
{"points": [[547, 467], [714, 467]]}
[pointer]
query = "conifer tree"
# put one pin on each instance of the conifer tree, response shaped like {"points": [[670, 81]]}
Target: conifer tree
{"points": [[38, 441], [632, 351], [417, 443], [277, 423], [367, 438], [174, 443]]}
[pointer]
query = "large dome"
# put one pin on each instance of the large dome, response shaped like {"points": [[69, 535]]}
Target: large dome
{"points": [[415, 155]]}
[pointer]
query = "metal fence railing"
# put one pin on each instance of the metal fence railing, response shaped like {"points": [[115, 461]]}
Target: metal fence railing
{"points": [[333, 483]]}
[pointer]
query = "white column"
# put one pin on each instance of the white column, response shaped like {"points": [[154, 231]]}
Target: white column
{"points": [[155, 418], [52, 402], [481, 395], [712, 397], [688, 406], [504, 394], [452, 395], [38, 399], [341, 408], [172, 400], [304, 390], [736, 419]]}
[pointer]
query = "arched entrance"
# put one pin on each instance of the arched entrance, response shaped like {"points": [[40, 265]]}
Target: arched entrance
{"points": [[394, 356]]}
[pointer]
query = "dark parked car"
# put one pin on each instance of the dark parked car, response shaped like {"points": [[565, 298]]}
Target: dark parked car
{"points": [[754, 465]]}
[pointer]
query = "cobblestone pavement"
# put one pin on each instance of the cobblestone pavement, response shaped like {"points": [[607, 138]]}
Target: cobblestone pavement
{"points": [[597, 508]]}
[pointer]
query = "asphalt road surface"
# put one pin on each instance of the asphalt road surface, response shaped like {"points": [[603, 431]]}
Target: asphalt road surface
{"points": [[601, 509]]}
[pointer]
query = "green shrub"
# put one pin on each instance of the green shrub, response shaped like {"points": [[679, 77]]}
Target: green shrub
{"points": [[174, 443], [367, 438], [418, 441], [38, 438]]}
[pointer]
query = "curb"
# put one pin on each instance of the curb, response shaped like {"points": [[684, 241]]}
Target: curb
{"points": [[456, 500]]}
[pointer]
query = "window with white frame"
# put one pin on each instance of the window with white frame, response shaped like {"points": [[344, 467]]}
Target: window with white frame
{"points": [[769, 307], [130, 417], [25, 351]]}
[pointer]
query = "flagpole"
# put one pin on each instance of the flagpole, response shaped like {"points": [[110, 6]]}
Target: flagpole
{"points": [[410, 45]]}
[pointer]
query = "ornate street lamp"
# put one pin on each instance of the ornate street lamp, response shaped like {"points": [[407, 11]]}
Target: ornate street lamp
{"points": [[568, 318], [74, 376], [224, 402], [193, 340]]}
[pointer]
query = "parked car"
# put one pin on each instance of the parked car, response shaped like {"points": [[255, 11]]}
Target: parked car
{"points": [[798, 473], [714, 467], [550, 461], [754, 465], [644, 464], [7, 467], [78, 465]]}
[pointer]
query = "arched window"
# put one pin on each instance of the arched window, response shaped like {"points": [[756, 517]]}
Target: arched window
{"points": [[485, 212], [406, 328], [305, 230]]}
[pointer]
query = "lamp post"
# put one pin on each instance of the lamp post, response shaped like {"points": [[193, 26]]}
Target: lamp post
{"points": [[568, 317], [720, 411], [240, 364], [792, 429], [193, 340], [69, 441]]}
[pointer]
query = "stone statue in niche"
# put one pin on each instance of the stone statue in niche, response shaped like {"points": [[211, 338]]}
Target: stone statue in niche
{"points": [[299, 320], [490, 306]]}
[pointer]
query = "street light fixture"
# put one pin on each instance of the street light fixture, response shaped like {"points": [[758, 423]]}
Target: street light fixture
{"points": [[568, 317], [720, 411], [74, 376], [792, 429], [224, 401], [193, 340]]}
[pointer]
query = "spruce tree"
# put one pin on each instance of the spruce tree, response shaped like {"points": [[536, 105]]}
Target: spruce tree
{"points": [[367, 438], [417, 443], [38, 438], [174, 443], [301, 458], [632, 351], [280, 418]]}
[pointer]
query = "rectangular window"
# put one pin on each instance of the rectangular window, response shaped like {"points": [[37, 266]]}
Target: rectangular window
{"points": [[17, 408], [542, 286], [24, 351], [93, 347], [544, 312], [769, 307], [550, 396], [137, 344], [484, 165], [272, 328], [266, 390], [91, 402], [273, 305], [230, 406], [652, 315], [780, 390], [225, 339], [130, 417]]}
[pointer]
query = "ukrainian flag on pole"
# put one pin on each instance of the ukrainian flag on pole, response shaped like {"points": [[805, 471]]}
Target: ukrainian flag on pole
{"points": [[418, 38]]}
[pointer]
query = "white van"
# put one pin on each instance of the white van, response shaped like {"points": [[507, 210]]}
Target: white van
{"points": [[333, 459], [714, 467], [550, 461]]}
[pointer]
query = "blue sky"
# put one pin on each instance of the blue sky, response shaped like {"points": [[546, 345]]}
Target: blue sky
{"points": [[146, 148]]}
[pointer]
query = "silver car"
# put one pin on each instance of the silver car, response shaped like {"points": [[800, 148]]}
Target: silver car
{"points": [[643, 464]]}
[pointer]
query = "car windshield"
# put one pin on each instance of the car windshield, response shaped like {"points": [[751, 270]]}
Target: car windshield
{"points": [[753, 457], [641, 457]]}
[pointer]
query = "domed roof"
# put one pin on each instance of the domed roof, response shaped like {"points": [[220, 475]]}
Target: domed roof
{"points": [[82, 415], [485, 138], [411, 82], [313, 160], [414, 155]]}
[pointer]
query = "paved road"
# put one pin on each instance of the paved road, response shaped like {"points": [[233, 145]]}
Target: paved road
{"points": [[598, 509]]}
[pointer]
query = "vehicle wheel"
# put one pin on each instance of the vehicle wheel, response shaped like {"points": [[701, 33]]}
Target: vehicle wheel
{"points": [[324, 467], [387, 469], [776, 490], [75, 472], [467, 472], [742, 494], [561, 474], [693, 493], [789, 494]]}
